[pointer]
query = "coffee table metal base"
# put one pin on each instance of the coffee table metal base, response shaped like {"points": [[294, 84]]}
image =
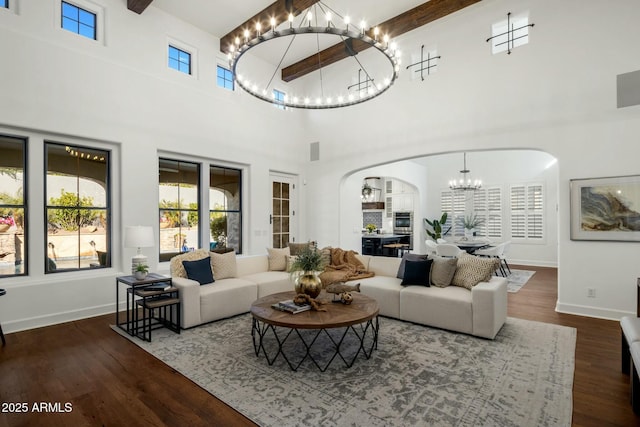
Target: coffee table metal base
{"points": [[339, 340]]}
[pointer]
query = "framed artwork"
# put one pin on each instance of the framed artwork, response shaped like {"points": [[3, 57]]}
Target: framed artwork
{"points": [[606, 208]]}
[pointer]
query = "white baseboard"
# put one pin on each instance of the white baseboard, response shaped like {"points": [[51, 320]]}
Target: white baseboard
{"points": [[56, 318], [552, 264], [589, 311]]}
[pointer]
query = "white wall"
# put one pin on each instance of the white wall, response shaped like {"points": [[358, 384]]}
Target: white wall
{"points": [[556, 94], [59, 86]]}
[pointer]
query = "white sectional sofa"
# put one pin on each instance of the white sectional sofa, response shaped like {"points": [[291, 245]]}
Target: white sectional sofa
{"points": [[480, 311]]}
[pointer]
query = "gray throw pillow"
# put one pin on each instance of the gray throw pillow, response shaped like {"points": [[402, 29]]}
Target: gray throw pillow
{"points": [[403, 263], [442, 271]]}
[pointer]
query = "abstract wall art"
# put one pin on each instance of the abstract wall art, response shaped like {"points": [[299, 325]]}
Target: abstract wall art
{"points": [[606, 208]]}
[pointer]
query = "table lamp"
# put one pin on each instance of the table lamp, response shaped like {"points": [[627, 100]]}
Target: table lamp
{"points": [[138, 236]]}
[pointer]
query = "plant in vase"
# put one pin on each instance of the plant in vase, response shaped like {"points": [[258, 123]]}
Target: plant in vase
{"points": [[470, 222], [436, 227], [370, 228], [304, 270], [141, 271]]}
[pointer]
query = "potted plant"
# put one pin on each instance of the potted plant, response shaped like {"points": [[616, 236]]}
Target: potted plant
{"points": [[141, 271], [370, 228], [436, 227], [305, 269], [470, 222]]}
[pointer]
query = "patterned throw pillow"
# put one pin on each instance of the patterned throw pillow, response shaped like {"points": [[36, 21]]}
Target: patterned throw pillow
{"points": [[472, 270], [290, 260], [224, 265], [442, 271], [297, 248], [278, 258]]}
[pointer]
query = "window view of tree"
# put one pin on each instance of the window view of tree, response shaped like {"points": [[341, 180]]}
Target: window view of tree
{"points": [[12, 207], [178, 207], [225, 219], [78, 208]]}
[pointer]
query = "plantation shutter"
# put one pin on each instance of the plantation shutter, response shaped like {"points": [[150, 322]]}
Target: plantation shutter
{"points": [[527, 211], [453, 203], [487, 204]]}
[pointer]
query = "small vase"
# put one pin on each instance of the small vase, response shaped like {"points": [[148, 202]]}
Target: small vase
{"points": [[140, 275], [308, 283]]}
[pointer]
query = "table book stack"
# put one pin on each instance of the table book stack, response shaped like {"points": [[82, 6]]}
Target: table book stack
{"points": [[290, 307]]}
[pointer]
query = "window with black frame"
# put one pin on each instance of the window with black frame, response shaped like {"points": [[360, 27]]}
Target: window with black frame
{"points": [[13, 209], [78, 207], [178, 207], [225, 213]]}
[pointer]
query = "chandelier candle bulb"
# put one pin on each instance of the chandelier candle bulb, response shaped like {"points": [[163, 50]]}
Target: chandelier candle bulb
{"points": [[291, 20], [273, 24]]}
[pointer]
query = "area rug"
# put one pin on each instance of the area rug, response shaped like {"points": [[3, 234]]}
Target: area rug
{"points": [[517, 279], [418, 376]]}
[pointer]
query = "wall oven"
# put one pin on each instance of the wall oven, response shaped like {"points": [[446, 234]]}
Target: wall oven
{"points": [[402, 222]]}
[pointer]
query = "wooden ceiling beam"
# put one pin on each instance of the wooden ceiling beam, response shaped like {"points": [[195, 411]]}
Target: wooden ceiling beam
{"points": [[405, 22], [279, 10], [138, 6]]}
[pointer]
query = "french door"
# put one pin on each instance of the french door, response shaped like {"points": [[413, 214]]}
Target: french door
{"points": [[283, 214]]}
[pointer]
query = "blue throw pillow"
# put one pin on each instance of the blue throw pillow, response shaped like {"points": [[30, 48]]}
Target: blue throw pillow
{"points": [[417, 273], [199, 270]]}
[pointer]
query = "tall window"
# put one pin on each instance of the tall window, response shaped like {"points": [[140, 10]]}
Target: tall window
{"points": [[179, 206], [279, 98], [527, 212], [78, 20], [78, 199], [225, 214], [12, 207], [225, 78], [179, 60], [487, 204]]}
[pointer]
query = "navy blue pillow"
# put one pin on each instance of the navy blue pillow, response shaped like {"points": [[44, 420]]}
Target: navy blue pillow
{"points": [[199, 270], [417, 273], [408, 257]]}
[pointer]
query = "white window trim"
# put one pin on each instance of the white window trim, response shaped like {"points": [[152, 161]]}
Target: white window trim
{"points": [[191, 50], [520, 20], [88, 6], [14, 7]]}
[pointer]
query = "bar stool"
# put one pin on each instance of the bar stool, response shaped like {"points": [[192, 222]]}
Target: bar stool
{"points": [[4, 342]]}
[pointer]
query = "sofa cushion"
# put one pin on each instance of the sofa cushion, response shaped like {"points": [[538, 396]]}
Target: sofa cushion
{"points": [[472, 270], [278, 258], [410, 257], [442, 271], [224, 265], [416, 273], [199, 270]]}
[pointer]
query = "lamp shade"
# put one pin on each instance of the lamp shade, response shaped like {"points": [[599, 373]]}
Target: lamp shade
{"points": [[138, 236]]}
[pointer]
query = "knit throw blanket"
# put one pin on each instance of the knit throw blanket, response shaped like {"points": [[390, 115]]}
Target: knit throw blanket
{"points": [[344, 266]]}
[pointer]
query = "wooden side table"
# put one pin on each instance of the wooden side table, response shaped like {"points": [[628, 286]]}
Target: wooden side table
{"points": [[139, 296]]}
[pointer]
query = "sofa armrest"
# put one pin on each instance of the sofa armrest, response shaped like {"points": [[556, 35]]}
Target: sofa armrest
{"points": [[489, 305], [189, 291]]}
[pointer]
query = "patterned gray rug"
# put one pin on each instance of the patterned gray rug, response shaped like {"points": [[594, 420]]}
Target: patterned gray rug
{"points": [[517, 279], [418, 376]]}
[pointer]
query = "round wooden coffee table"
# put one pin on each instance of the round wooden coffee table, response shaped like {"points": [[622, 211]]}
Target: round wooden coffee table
{"points": [[343, 331]]}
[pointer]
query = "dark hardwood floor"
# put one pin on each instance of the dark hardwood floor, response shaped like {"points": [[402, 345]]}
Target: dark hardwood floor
{"points": [[110, 381]]}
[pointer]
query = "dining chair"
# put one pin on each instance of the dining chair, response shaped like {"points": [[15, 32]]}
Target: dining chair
{"points": [[497, 251], [448, 250]]}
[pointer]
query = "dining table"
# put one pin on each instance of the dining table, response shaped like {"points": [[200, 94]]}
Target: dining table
{"points": [[470, 246]]}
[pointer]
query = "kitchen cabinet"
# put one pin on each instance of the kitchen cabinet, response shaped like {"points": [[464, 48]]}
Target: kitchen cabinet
{"points": [[403, 202]]}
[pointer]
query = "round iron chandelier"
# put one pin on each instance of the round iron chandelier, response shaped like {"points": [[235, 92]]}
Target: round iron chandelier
{"points": [[464, 183], [369, 85]]}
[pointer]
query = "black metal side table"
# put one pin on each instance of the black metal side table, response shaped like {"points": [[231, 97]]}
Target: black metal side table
{"points": [[4, 342], [140, 294]]}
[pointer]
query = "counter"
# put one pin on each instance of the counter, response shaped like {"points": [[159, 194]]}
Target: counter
{"points": [[372, 244]]}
